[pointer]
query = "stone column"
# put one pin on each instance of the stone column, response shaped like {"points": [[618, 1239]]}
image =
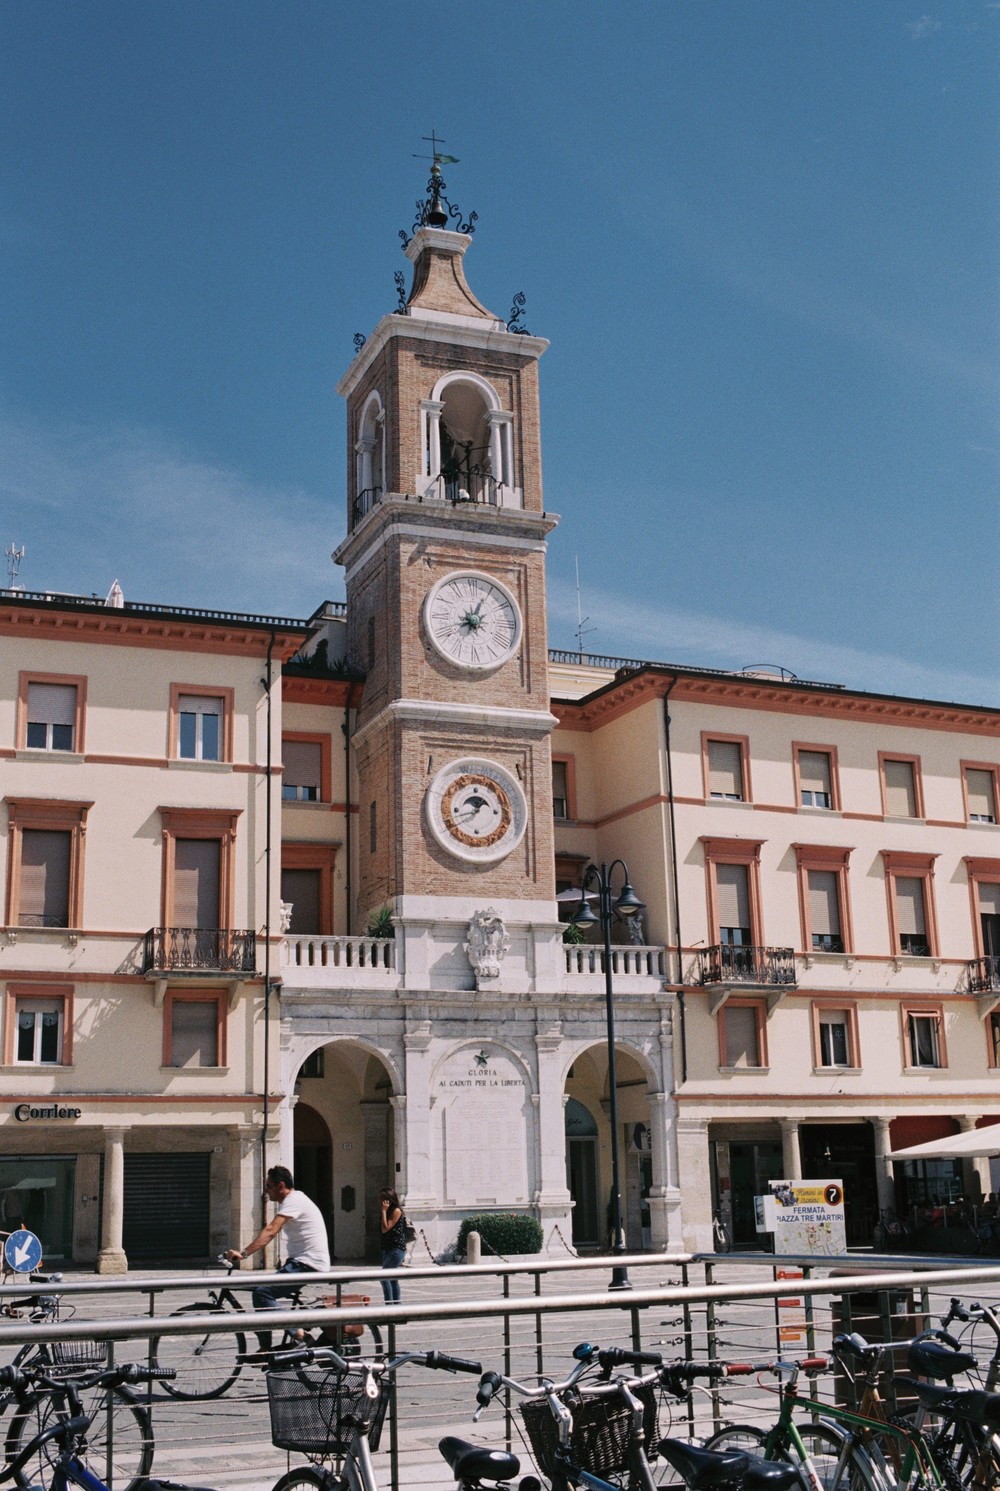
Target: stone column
{"points": [[430, 410], [364, 449], [884, 1179], [693, 1164], [111, 1259], [975, 1170], [418, 1177], [664, 1195], [791, 1157], [379, 1171], [552, 1197]]}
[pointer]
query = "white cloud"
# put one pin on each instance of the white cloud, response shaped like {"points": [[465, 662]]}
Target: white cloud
{"points": [[628, 628], [919, 29]]}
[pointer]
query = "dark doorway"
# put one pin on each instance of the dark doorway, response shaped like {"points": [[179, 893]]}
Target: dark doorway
{"points": [[751, 1166], [312, 1162], [581, 1168], [845, 1152]]}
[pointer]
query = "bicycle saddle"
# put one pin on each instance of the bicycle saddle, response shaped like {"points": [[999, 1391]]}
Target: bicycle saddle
{"points": [[701, 1469], [974, 1404], [933, 1359], [474, 1462]]}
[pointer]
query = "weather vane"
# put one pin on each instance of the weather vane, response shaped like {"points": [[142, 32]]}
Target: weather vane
{"points": [[435, 211]]}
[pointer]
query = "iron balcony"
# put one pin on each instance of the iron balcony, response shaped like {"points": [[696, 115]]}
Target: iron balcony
{"points": [[199, 950], [984, 975], [761, 966]]}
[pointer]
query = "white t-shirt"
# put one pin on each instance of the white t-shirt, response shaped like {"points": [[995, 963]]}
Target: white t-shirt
{"points": [[304, 1232]]}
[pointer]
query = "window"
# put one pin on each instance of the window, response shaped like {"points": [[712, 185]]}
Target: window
{"points": [[924, 1036], [823, 898], [201, 723], [38, 1024], [816, 776], [194, 1030], [563, 787], [981, 791], [742, 1034], [50, 712], [726, 767], [835, 1036], [373, 826], [45, 863], [307, 886], [198, 876], [993, 1039], [313, 1064], [902, 794], [733, 867], [984, 893], [909, 887], [306, 776]]}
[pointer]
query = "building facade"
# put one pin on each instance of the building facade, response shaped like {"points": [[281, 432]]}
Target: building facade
{"points": [[299, 890]]}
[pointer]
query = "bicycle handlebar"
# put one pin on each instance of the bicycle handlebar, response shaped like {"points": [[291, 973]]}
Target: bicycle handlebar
{"points": [[320, 1356], [20, 1378]]}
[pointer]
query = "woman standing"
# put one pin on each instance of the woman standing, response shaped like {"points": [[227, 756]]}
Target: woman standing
{"points": [[393, 1240]]}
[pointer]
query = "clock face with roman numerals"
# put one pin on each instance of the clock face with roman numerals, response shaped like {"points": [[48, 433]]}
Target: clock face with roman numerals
{"points": [[472, 620]]}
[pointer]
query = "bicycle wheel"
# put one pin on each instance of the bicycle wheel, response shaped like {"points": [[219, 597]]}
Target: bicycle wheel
{"points": [[966, 1454], [119, 1445], [722, 1236], [822, 1445], [206, 1365], [307, 1478]]}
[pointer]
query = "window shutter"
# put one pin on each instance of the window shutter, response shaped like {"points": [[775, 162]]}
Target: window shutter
{"points": [[979, 789], [45, 862], [725, 769], [989, 899], [814, 771], [196, 883], [303, 763], [732, 895], [824, 904], [52, 703], [900, 794], [741, 1035], [194, 1033], [301, 888], [910, 905]]}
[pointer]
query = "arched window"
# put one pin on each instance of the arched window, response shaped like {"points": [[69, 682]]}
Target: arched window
{"points": [[468, 447], [369, 455]]}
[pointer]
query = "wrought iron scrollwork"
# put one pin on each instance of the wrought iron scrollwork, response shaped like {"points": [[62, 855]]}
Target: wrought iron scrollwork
{"points": [[359, 341], [435, 211], [400, 279], [516, 312]]}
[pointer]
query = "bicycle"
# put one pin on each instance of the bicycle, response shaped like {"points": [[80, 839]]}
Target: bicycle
{"points": [[956, 1435], [207, 1365], [721, 1236], [336, 1413], [46, 1396], [62, 1446]]}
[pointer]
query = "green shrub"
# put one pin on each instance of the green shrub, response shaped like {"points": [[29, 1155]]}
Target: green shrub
{"points": [[380, 923], [502, 1232], [572, 934]]}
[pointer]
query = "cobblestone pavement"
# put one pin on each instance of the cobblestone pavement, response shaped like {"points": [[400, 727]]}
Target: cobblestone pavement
{"points": [[225, 1443]]}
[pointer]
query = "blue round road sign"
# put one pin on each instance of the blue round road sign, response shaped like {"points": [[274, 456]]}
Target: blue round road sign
{"points": [[22, 1251]]}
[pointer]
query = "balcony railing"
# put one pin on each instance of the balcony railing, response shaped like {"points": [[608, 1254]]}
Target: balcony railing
{"points": [[647, 962], [467, 486], [340, 952], [363, 504], [984, 975], [199, 950], [763, 966]]}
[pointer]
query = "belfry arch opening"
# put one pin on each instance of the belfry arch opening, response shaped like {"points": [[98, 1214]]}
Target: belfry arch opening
{"points": [[468, 442], [344, 1143], [588, 1149]]}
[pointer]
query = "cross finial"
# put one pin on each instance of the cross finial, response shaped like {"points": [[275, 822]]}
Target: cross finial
{"points": [[437, 159]]}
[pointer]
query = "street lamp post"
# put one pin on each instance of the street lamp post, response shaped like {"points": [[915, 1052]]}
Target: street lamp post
{"points": [[626, 905]]}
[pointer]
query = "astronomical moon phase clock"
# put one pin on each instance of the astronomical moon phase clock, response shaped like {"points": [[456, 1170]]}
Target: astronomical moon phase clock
{"points": [[472, 620], [476, 809]]}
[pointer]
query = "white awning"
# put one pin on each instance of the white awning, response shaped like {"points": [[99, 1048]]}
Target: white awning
{"points": [[967, 1145]]}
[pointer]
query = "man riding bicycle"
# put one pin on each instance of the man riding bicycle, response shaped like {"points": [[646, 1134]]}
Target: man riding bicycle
{"points": [[305, 1240]]}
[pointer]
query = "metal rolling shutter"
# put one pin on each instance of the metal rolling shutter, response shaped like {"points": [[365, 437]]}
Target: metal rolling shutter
{"points": [[166, 1206]]}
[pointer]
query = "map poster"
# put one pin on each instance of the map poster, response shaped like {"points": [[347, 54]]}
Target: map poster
{"points": [[805, 1216]]}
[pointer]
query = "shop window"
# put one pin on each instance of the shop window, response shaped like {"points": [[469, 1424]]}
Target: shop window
{"points": [[835, 1037], [201, 723], [194, 1030], [38, 1025], [981, 791], [306, 775], [742, 1034], [50, 712], [45, 862], [726, 767], [823, 897], [902, 791], [909, 887], [924, 1038]]}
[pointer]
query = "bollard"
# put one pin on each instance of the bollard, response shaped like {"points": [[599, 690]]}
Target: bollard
{"points": [[473, 1248]]}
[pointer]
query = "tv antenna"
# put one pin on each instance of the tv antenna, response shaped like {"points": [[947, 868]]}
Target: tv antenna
{"points": [[582, 630], [14, 555]]}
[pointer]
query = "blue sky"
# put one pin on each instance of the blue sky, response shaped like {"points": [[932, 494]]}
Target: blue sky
{"points": [[761, 236]]}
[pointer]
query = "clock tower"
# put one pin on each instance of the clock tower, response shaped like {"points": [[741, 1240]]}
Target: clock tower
{"points": [[445, 573]]}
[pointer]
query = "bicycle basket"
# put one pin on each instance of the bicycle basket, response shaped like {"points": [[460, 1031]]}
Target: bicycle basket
{"points": [[321, 1412], [77, 1354], [599, 1438]]}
